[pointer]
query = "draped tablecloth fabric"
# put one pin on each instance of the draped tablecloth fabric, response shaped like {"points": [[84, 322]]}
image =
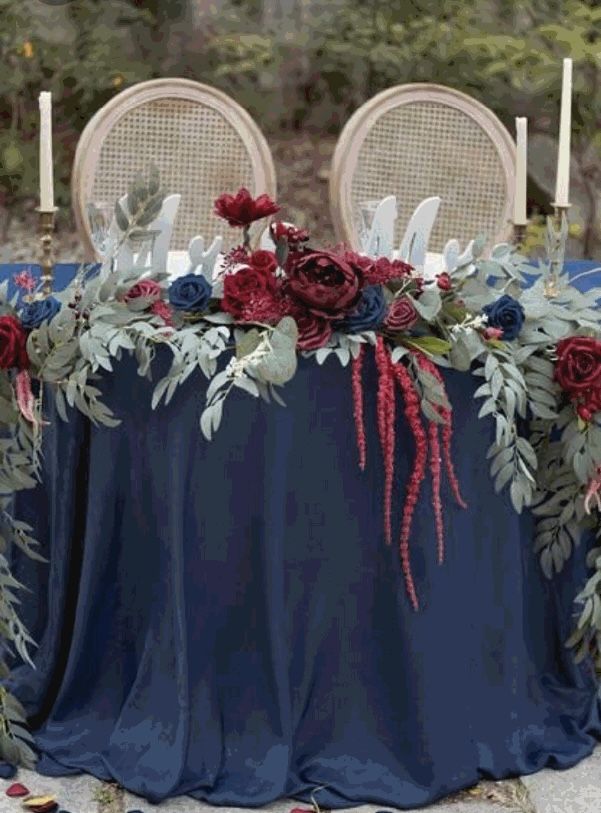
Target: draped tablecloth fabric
{"points": [[225, 619]]}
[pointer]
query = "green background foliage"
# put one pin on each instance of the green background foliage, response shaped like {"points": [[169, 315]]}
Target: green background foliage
{"points": [[305, 66]]}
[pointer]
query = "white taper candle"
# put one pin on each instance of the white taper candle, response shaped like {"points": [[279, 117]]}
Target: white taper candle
{"points": [[521, 172], [562, 186], [46, 174]]}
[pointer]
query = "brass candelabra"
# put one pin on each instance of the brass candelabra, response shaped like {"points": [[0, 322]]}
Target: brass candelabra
{"points": [[47, 220]]}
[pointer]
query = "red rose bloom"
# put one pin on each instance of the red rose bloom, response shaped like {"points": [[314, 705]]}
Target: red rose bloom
{"points": [[578, 366], [313, 331], [401, 315], [242, 209], [13, 340], [245, 287], [263, 260], [147, 288], [324, 282]]}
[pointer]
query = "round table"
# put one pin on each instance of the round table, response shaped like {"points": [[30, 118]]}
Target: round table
{"points": [[225, 619]]}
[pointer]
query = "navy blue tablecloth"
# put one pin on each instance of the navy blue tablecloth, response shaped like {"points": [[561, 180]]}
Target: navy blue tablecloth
{"points": [[225, 619]]}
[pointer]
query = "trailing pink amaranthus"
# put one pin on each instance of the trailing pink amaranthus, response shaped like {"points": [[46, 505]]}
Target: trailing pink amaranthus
{"points": [[413, 415], [386, 416], [357, 382], [447, 431], [435, 472]]}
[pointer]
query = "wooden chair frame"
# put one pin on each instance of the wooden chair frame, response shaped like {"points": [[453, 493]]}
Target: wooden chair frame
{"points": [[346, 155], [88, 150]]}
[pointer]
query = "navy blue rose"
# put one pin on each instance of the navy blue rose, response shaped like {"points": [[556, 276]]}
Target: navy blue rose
{"points": [[190, 293], [506, 314], [369, 313], [42, 310]]}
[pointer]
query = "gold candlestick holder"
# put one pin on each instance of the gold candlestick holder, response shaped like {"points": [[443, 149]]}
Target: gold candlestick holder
{"points": [[559, 223], [47, 219], [519, 234], [559, 210]]}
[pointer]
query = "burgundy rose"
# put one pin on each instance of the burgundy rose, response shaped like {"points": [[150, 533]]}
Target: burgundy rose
{"points": [[263, 260], [243, 287], [242, 209], [313, 331], [147, 288], [578, 366], [326, 284], [13, 340], [401, 315]]}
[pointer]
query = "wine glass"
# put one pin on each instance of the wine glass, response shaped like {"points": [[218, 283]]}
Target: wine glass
{"points": [[100, 217], [367, 210]]}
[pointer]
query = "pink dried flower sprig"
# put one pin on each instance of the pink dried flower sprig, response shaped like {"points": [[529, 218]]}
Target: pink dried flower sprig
{"points": [[25, 281]]}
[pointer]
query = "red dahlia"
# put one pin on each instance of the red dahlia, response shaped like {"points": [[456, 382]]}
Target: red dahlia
{"points": [[242, 209]]}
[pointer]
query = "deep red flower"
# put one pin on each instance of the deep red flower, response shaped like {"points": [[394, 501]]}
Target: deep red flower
{"points": [[313, 331], [444, 281], [291, 234], [578, 365], [324, 282], [242, 209], [147, 288], [263, 260], [248, 292], [13, 341], [401, 315]]}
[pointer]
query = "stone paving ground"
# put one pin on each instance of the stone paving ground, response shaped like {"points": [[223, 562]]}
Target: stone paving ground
{"points": [[576, 790]]}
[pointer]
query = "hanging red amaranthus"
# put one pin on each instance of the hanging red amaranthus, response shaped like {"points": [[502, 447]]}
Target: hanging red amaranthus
{"points": [[357, 381], [388, 374], [386, 409], [447, 430], [413, 415], [435, 472]]}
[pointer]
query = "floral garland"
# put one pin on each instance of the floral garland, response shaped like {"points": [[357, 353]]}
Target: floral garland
{"points": [[530, 337]]}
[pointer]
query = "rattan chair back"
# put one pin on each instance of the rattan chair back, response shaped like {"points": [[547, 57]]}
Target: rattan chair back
{"points": [[420, 140], [202, 142]]}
